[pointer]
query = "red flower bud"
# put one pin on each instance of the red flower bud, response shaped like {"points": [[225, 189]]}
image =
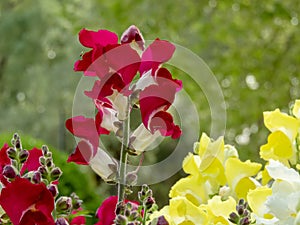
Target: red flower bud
{"points": [[9, 172]]}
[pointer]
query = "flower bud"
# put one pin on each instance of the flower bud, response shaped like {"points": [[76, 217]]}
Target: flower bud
{"points": [[77, 202], [63, 204], [234, 218], [53, 189], [121, 220], [131, 178], [45, 149], [23, 155], [37, 177], [61, 221], [55, 173], [43, 171], [9, 172], [245, 221], [162, 221], [49, 162], [133, 34], [149, 203], [11, 153]]}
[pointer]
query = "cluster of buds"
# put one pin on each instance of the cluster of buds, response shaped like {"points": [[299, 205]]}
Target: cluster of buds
{"points": [[127, 214], [243, 215], [32, 178]]}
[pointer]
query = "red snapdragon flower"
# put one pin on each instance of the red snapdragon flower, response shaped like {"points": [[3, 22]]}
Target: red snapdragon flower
{"points": [[106, 212], [26, 203]]}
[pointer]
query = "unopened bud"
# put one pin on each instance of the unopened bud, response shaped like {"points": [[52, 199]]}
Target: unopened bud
{"points": [[53, 189], [240, 209], [45, 149], [120, 219], [77, 202], [9, 172], [245, 221], [234, 218], [49, 162], [37, 177], [43, 171], [63, 204], [55, 173], [11, 153], [23, 156], [149, 203], [61, 221]]}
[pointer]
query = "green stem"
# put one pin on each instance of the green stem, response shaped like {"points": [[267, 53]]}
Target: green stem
{"points": [[124, 155]]}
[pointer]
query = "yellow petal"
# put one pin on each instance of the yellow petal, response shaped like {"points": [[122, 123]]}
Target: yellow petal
{"points": [[276, 120], [221, 208], [191, 164], [192, 187], [202, 145], [256, 199], [243, 186], [279, 147], [236, 170], [296, 109], [183, 211]]}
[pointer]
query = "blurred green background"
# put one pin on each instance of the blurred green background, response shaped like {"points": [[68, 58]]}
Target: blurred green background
{"points": [[252, 47]]}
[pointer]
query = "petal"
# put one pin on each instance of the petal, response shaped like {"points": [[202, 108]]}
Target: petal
{"points": [[191, 164], [104, 165], [84, 63], [21, 197], [142, 139], [296, 109], [133, 34], [221, 208], [32, 163], [276, 120], [83, 153], [280, 172], [181, 210], [236, 170], [124, 60], [163, 122], [106, 86], [4, 160], [192, 188], [256, 199], [101, 37], [279, 147], [158, 52]]}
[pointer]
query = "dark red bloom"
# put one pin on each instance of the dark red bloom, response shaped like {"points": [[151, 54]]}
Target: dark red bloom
{"points": [[26, 203], [106, 212], [4, 160], [156, 99], [32, 163]]}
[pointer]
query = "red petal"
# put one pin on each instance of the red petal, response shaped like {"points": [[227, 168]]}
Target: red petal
{"points": [[32, 163], [85, 62], [101, 37], [158, 97], [124, 60], [157, 53], [20, 198], [163, 121], [4, 160], [82, 154]]}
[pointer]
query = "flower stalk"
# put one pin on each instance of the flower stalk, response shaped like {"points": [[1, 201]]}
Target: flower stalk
{"points": [[124, 155]]}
